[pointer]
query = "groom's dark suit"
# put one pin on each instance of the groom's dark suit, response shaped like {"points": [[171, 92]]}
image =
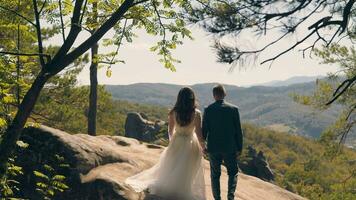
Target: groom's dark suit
{"points": [[222, 131]]}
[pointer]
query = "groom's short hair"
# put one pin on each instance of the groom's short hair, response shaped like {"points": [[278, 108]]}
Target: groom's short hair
{"points": [[219, 91]]}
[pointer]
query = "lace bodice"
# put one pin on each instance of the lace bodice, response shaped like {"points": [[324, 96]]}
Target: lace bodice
{"points": [[189, 129]]}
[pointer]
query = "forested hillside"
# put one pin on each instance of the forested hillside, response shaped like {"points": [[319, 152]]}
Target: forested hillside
{"points": [[263, 106], [305, 166], [68, 111]]}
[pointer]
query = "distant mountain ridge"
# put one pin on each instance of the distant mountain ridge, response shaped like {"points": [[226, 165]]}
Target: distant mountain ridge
{"points": [[292, 80], [262, 105]]}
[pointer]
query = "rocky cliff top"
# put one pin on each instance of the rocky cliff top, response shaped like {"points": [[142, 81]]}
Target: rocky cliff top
{"points": [[100, 165]]}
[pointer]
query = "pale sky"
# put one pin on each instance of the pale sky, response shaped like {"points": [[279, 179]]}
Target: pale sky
{"points": [[199, 64]]}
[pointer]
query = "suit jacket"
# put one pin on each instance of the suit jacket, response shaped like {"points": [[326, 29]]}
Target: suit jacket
{"points": [[222, 128]]}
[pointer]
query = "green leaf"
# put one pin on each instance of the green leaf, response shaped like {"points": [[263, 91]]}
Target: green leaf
{"points": [[48, 168], [40, 175], [3, 122], [108, 73], [22, 144], [41, 185], [51, 192], [59, 178], [154, 48]]}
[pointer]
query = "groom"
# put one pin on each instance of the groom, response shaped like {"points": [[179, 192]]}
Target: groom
{"points": [[222, 131]]}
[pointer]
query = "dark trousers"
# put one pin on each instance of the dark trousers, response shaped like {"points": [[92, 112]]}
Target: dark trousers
{"points": [[230, 161]]}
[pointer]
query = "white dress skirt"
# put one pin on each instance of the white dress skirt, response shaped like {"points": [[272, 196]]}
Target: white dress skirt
{"points": [[179, 171]]}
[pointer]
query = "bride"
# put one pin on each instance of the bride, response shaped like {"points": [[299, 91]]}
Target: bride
{"points": [[179, 171]]}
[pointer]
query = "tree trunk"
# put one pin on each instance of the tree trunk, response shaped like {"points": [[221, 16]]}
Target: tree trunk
{"points": [[93, 96], [14, 130]]}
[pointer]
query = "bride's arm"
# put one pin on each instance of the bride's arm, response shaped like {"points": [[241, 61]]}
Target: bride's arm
{"points": [[171, 124], [198, 131]]}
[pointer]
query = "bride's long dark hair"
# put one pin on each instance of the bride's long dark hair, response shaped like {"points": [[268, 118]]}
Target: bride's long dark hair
{"points": [[185, 106]]}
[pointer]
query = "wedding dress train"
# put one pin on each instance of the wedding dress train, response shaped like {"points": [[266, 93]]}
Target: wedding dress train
{"points": [[179, 171]]}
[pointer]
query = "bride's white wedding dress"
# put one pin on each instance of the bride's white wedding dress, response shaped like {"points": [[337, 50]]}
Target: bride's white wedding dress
{"points": [[179, 171]]}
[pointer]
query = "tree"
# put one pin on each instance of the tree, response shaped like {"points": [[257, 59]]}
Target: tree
{"points": [[230, 18], [96, 16], [150, 15], [93, 95], [345, 58]]}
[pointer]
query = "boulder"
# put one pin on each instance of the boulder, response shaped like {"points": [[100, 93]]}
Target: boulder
{"points": [[255, 164], [99, 166], [139, 127]]}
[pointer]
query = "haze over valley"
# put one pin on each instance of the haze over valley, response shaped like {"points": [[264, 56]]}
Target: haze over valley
{"points": [[267, 106]]}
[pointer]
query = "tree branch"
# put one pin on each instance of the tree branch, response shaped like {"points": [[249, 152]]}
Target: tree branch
{"points": [[61, 18], [96, 36], [345, 132], [119, 43], [18, 14], [83, 13], [290, 48], [38, 31], [346, 15], [302, 5], [73, 33], [342, 89], [42, 7], [138, 2], [352, 109]]}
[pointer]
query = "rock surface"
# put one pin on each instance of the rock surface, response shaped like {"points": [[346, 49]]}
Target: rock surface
{"points": [[100, 165], [139, 127], [256, 165]]}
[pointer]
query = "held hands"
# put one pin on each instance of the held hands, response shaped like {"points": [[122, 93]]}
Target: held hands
{"points": [[205, 151], [203, 147], [238, 154]]}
